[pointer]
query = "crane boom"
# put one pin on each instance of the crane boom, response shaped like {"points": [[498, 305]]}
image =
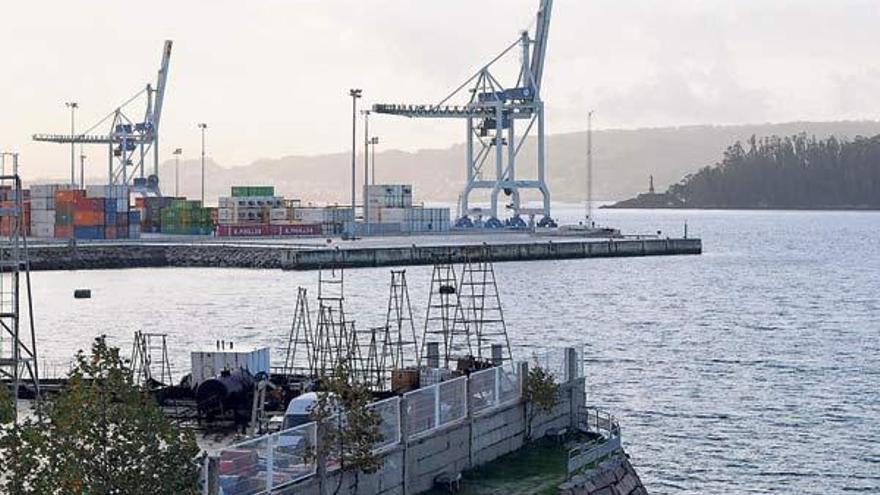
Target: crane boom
{"points": [[542, 29], [160, 86]]}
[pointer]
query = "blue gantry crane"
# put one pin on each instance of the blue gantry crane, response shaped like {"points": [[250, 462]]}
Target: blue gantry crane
{"points": [[129, 141], [491, 113]]}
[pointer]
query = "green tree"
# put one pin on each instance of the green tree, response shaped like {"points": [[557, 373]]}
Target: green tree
{"points": [[7, 406], [101, 435], [348, 429], [541, 393]]}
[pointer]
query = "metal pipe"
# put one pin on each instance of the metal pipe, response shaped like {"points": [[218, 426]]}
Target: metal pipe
{"points": [[177, 153]]}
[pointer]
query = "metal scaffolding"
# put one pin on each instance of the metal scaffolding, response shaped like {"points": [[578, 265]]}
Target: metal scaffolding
{"points": [[400, 345], [481, 309], [444, 320], [150, 366], [301, 356], [18, 350]]}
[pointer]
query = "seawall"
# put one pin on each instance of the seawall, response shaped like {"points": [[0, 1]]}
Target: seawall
{"points": [[352, 257], [391, 252]]}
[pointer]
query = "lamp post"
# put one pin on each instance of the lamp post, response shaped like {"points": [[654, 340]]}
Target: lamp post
{"points": [[355, 94], [82, 168], [373, 142], [72, 105], [177, 153], [366, 114], [590, 170], [203, 126]]}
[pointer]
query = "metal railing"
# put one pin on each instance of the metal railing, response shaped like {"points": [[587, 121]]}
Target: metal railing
{"points": [[493, 387], [607, 440], [432, 407], [268, 462], [389, 412], [555, 362], [273, 461]]}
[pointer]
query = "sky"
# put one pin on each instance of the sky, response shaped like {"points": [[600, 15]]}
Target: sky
{"points": [[271, 77]]}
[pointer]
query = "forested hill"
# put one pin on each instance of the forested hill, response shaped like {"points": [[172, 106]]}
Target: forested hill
{"points": [[788, 172]]}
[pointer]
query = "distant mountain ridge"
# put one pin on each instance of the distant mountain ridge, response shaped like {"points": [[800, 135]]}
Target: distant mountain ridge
{"points": [[623, 160]]}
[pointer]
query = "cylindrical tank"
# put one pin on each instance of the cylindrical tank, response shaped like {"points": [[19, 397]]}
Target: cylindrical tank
{"points": [[231, 390]]}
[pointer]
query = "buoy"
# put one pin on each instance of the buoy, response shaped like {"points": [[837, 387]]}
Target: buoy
{"points": [[82, 294]]}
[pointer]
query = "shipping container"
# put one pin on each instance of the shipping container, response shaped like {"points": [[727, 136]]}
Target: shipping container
{"points": [[88, 232], [239, 191]]}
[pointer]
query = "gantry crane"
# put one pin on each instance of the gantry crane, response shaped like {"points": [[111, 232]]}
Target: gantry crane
{"points": [[491, 113], [129, 141]]}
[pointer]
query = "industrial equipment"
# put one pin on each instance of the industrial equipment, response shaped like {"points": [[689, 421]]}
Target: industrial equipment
{"points": [[491, 113], [129, 141]]}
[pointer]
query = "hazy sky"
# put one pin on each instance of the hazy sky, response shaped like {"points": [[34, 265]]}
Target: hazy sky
{"points": [[271, 77]]}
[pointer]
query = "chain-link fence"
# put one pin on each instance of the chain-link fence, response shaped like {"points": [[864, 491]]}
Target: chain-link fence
{"points": [[268, 462]]}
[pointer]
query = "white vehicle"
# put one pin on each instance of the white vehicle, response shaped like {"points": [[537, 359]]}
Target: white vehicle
{"points": [[299, 410]]}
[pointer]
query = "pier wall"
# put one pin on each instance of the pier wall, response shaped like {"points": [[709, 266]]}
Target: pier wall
{"points": [[266, 256], [413, 467], [544, 250]]}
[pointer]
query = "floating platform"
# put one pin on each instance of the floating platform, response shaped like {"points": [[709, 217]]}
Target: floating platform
{"points": [[311, 254]]}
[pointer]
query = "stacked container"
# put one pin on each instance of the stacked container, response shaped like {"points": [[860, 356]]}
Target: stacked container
{"points": [[184, 217], [420, 220], [65, 205], [332, 219], [388, 196], [252, 210], [43, 208], [151, 212], [8, 200]]}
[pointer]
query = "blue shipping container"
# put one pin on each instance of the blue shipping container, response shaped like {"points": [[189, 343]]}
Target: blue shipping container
{"points": [[88, 232]]}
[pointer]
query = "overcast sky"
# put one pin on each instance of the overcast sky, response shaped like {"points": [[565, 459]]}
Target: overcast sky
{"points": [[271, 77]]}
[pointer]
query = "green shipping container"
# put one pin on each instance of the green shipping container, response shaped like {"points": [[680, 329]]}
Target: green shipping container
{"points": [[248, 191]]}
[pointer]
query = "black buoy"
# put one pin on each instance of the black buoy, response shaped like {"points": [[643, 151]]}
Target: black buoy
{"points": [[82, 294]]}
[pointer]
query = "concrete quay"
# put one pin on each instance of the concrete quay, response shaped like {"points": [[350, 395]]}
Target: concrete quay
{"points": [[311, 253]]}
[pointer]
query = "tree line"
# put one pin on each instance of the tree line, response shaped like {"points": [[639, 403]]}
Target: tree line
{"points": [[788, 172]]}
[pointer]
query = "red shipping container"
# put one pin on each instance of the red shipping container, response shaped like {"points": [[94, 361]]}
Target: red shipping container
{"points": [[89, 204], [297, 229], [69, 195], [88, 218]]}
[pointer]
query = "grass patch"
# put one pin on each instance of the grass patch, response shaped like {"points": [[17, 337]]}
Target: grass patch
{"points": [[536, 469]]}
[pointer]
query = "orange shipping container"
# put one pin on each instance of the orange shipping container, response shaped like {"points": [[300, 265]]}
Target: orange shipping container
{"points": [[87, 218]]}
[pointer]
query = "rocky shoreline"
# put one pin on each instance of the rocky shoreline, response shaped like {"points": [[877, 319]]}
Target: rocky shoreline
{"points": [[91, 257]]}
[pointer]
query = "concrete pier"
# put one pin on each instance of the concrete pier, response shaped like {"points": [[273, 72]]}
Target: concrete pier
{"points": [[352, 257], [311, 254]]}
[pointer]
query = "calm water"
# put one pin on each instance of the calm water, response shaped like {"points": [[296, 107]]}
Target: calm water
{"points": [[752, 368]]}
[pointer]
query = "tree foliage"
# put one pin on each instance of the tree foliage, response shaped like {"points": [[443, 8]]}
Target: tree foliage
{"points": [[788, 172], [102, 435], [348, 429], [541, 393]]}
